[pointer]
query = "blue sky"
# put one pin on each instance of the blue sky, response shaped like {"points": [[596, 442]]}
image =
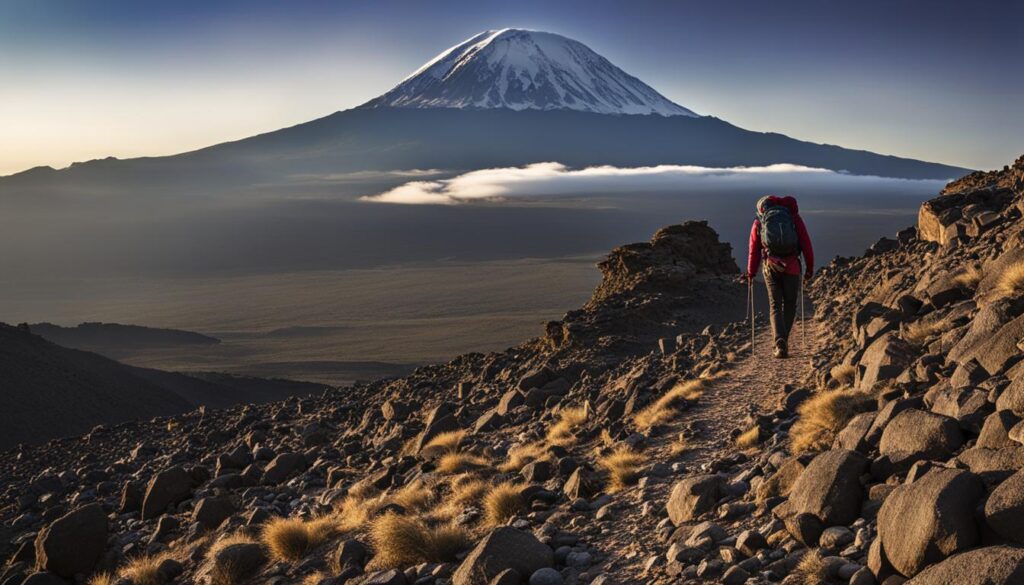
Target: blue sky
{"points": [[936, 80]]}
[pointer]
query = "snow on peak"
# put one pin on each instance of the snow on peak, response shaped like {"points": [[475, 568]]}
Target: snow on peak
{"points": [[526, 70]]}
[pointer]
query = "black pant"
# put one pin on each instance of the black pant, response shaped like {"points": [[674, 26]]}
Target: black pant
{"points": [[783, 290]]}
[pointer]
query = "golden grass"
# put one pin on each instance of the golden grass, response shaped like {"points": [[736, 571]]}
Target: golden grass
{"points": [[443, 443], [679, 446], [844, 374], [569, 420], [503, 502], [291, 539], [825, 414], [414, 496], [519, 457], [919, 332], [969, 277], [402, 541], [623, 466], [1011, 280], [749, 439], [664, 408], [362, 505], [454, 463], [101, 579], [314, 578], [144, 570], [811, 569]]}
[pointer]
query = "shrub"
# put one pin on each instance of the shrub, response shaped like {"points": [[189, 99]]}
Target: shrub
{"points": [[844, 374], [519, 456], [664, 408], [1011, 280], [969, 277], [443, 443], [919, 332], [291, 539], [503, 502], [811, 569], [749, 439], [144, 570], [569, 420], [623, 466], [402, 541], [825, 414], [101, 579], [453, 463]]}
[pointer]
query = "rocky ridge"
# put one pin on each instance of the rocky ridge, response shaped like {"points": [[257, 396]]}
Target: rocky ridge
{"points": [[629, 444]]}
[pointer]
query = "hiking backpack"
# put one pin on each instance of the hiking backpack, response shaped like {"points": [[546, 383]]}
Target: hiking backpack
{"points": [[778, 231]]}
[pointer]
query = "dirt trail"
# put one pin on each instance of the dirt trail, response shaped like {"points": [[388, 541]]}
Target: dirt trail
{"points": [[752, 383]]}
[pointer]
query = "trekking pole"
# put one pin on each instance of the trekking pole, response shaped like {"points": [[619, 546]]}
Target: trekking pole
{"points": [[803, 322], [753, 313]]}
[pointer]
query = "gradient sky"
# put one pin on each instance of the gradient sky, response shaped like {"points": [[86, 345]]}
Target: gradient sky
{"points": [[936, 80]]}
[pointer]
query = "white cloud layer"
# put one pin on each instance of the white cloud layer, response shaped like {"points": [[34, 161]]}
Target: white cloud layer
{"points": [[554, 179]]}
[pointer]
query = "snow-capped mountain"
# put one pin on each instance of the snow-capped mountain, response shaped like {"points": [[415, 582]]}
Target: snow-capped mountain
{"points": [[526, 70]]}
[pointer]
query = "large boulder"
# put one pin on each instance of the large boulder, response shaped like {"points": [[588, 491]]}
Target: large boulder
{"points": [[166, 489], [829, 490], [1004, 509], [283, 467], [999, 348], [693, 497], [236, 561], [504, 548], [73, 543], [883, 360], [992, 465], [922, 523], [992, 565], [915, 435], [995, 433], [211, 511], [1012, 398]]}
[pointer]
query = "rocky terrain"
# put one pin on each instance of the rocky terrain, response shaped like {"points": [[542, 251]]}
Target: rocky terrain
{"points": [[641, 439]]}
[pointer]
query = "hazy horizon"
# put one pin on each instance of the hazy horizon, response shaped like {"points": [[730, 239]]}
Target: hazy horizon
{"points": [[118, 79]]}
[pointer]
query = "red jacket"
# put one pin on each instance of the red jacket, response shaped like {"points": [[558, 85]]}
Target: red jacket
{"points": [[792, 263]]}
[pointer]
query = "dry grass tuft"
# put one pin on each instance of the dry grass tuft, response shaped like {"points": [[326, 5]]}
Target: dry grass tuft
{"points": [[844, 374], [402, 541], [414, 496], [101, 579], [969, 277], [664, 408], [1011, 281], [679, 446], [749, 439], [825, 414], [919, 332], [315, 578], [291, 539], [443, 443], [811, 569], [454, 463], [519, 457], [503, 502], [144, 570], [623, 466], [569, 420]]}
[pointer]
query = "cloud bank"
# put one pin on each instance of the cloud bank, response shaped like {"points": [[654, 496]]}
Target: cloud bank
{"points": [[555, 179]]}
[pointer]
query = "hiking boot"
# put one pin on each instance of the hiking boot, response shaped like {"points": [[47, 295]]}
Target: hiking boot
{"points": [[780, 351]]}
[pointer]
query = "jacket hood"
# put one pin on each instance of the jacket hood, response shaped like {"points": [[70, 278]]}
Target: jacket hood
{"points": [[771, 200]]}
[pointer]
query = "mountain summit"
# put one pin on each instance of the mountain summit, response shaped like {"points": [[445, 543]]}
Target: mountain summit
{"points": [[526, 70]]}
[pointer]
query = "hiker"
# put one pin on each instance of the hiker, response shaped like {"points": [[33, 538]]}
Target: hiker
{"points": [[778, 238]]}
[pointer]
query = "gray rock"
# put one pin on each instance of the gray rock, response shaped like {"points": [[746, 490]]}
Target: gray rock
{"points": [[166, 489], [1004, 509], [504, 548], [993, 565], [73, 543], [693, 497], [923, 522]]}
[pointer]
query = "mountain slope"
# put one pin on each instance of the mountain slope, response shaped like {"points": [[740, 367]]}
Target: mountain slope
{"points": [[51, 391], [526, 70]]}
